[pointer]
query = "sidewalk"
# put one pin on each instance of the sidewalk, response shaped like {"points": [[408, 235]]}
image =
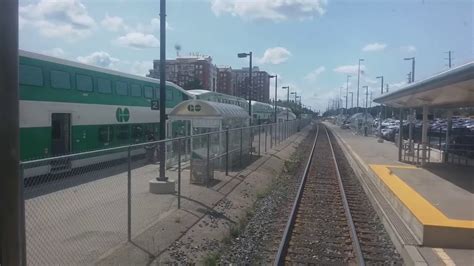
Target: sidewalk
{"points": [[428, 208]]}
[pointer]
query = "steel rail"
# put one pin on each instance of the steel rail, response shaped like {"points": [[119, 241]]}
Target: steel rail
{"points": [[280, 256], [353, 233]]}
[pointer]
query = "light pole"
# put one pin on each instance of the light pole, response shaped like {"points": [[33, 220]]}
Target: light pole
{"points": [[352, 99], [381, 84], [287, 101], [276, 86], [365, 114], [294, 93], [347, 89], [12, 227], [358, 82], [412, 67], [249, 91], [162, 175]]}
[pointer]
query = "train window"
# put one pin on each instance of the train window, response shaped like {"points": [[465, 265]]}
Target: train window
{"points": [[169, 94], [148, 91], [60, 80], [137, 131], [136, 90], [31, 75], [104, 86], [121, 88], [123, 132], [106, 133], [84, 83]]}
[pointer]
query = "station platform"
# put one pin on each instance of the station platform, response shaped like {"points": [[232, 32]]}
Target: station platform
{"points": [[429, 210]]}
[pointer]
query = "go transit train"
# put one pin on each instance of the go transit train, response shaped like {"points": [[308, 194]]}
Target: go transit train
{"points": [[68, 107]]}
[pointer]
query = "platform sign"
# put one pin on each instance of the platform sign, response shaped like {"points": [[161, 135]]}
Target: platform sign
{"points": [[155, 104]]}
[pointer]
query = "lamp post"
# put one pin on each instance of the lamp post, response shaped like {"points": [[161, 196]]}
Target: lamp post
{"points": [[365, 113], [347, 89], [294, 93], [276, 86], [287, 100], [358, 82], [412, 67], [249, 91], [162, 175], [352, 99], [381, 84]]}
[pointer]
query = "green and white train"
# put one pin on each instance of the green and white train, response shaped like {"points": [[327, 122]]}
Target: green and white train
{"points": [[68, 107]]}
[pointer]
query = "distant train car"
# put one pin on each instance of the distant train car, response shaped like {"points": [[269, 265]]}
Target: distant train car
{"points": [[68, 107], [219, 97]]}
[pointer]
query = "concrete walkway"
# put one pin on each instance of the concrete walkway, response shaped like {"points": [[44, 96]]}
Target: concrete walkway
{"points": [[427, 202]]}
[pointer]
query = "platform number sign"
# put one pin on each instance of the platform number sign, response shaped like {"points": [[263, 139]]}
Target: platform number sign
{"points": [[155, 105]]}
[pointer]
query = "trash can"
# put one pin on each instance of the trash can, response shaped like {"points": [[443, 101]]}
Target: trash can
{"points": [[201, 172]]}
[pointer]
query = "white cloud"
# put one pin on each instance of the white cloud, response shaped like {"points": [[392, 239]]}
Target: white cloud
{"points": [[113, 23], [408, 48], [275, 10], [374, 47], [141, 68], [138, 40], [56, 52], [275, 56], [101, 58], [67, 19], [313, 75], [350, 69]]}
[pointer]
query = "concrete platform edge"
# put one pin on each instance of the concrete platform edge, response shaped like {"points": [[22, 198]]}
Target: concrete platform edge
{"points": [[409, 252]]}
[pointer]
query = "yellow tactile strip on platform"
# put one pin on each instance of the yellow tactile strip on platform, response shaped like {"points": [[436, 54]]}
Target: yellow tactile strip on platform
{"points": [[423, 210]]}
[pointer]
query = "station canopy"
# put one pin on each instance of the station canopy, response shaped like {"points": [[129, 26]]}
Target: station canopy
{"points": [[209, 114], [453, 88]]}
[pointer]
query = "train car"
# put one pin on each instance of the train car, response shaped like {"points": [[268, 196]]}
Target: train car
{"points": [[219, 97], [68, 107]]}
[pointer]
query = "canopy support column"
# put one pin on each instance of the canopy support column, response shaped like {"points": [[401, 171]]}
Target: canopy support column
{"points": [[424, 134], [448, 135], [400, 136]]}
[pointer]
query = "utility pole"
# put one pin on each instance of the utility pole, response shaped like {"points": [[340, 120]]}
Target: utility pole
{"points": [[365, 113], [412, 67], [347, 89], [352, 99], [358, 82], [409, 77], [386, 88], [12, 225], [449, 58], [162, 176]]}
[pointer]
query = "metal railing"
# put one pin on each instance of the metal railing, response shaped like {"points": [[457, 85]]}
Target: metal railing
{"points": [[80, 206]]}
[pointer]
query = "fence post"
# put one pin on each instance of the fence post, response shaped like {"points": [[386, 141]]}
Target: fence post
{"points": [[208, 157], [241, 138], [227, 151], [439, 138], [259, 135], [266, 132], [271, 136], [251, 143], [179, 173], [129, 194]]}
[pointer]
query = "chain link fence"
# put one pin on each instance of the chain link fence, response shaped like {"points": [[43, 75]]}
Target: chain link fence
{"points": [[78, 207]]}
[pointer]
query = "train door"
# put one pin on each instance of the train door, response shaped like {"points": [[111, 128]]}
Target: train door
{"points": [[60, 139]]}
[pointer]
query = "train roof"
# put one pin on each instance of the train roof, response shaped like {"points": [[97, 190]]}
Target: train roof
{"points": [[96, 68]]}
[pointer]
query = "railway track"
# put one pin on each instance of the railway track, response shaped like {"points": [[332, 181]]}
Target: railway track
{"points": [[321, 229]]}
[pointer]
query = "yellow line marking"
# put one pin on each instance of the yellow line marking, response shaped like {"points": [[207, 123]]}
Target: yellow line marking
{"points": [[423, 210], [444, 257]]}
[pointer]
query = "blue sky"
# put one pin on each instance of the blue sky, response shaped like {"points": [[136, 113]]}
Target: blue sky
{"points": [[311, 44]]}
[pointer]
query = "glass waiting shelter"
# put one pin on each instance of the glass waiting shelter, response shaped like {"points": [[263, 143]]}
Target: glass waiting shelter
{"points": [[199, 117]]}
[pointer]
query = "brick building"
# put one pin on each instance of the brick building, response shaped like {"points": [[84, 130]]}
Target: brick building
{"points": [[260, 84], [189, 72], [225, 80]]}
